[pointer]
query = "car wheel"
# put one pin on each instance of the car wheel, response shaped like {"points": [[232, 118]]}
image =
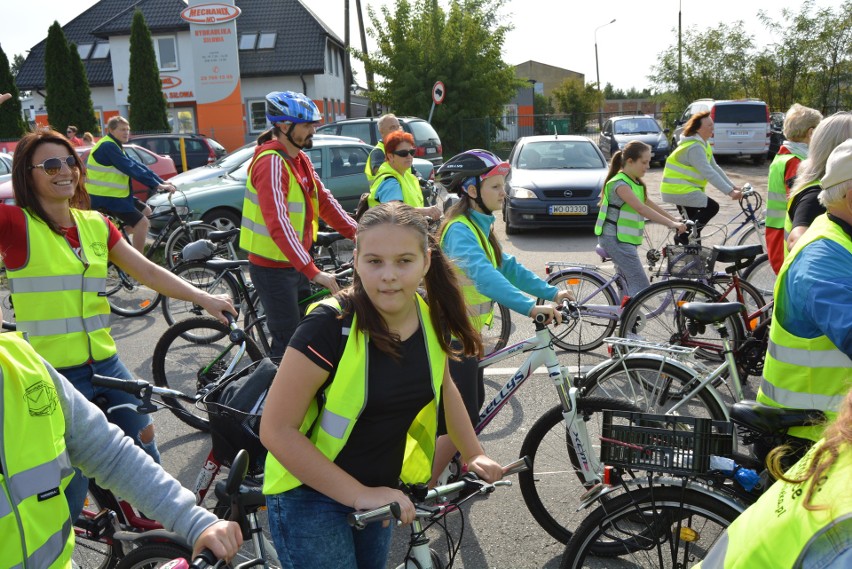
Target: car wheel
{"points": [[222, 219], [510, 230], [758, 159]]}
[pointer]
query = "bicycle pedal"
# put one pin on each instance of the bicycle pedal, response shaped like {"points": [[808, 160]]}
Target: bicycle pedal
{"points": [[97, 526]]}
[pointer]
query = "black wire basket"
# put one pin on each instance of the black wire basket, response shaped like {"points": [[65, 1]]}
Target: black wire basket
{"points": [[690, 261], [663, 443], [234, 407]]}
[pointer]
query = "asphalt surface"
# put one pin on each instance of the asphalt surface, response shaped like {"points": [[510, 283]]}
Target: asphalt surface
{"points": [[499, 532]]}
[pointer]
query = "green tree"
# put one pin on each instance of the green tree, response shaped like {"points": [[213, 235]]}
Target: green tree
{"points": [[578, 101], [11, 121], [421, 42], [17, 62], [542, 109], [59, 99], [144, 89], [84, 118]]}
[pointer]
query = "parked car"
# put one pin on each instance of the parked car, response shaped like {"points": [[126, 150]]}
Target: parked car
{"points": [[7, 193], [5, 167], [163, 166], [218, 169], [741, 127], [426, 140], [199, 149], [555, 181], [618, 131], [776, 133], [339, 162]]}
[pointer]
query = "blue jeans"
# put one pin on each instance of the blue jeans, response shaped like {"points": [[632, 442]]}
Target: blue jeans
{"points": [[309, 531], [127, 420], [279, 291]]}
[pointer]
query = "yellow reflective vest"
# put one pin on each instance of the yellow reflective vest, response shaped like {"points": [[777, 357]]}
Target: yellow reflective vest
{"points": [[35, 525], [776, 530], [345, 399], [480, 308], [411, 192], [59, 294], [776, 201], [680, 178], [254, 235], [805, 373], [630, 225], [106, 179], [368, 167]]}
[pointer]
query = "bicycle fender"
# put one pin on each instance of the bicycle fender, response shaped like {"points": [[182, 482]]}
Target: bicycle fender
{"points": [[589, 270], [642, 482], [151, 535]]}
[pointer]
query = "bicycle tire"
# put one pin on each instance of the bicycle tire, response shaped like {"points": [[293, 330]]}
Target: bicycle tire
{"points": [[589, 289], [202, 277], [655, 237], [183, 235], [91, 553], [496, 336], [762, 276], [128, 297], [152, 555], [554, 483], [257, 329], [9, 322], [412, 563], [751, 236], [653, 315], [647, 527], [190, 366], [652, 386]]}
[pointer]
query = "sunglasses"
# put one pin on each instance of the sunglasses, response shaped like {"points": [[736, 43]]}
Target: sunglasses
{"points": [[52, 166], [404, 153]]}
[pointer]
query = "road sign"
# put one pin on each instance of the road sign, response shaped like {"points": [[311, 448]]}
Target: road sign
{"points": [[438, 92]]}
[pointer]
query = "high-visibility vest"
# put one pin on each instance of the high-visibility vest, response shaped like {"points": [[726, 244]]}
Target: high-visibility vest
{"points": [[805, 373], [60, 298], [630, 225], [368, 167], [106, 179], [480, 308], [35, 525], [680, 178], [788, 221], [411, 192], [776, 530], [254, 235], [776, 201], [345, 400]]}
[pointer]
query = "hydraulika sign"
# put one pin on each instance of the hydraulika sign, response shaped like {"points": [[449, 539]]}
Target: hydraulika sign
{"points": [[210, 14]]}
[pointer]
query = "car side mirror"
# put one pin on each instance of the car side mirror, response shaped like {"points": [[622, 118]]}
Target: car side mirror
{"points": [[666, 131]]}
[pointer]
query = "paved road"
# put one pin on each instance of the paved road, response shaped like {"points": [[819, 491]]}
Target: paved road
{"points": [[499, 532]]}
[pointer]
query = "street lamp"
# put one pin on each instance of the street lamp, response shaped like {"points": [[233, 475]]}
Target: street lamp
{"points": [[598, 73]]}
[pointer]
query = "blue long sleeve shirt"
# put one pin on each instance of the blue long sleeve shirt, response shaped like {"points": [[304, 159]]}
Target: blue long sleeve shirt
{"points": [[109, 154], [505, 284]]}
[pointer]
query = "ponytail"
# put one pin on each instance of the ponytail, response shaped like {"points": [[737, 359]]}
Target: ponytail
{"points": [[614, 168]]}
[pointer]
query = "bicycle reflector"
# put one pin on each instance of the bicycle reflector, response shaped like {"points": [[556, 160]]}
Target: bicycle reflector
{"points": [[688, 534]]}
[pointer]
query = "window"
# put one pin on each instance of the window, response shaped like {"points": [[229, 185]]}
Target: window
{"points": [[267, 40], [140, 156], [358, 130], [166, 49], [101, 51], [316, 159], [336, 62], [248, 41], [257, 115], [325, 110], [328, 64], [84, 49]]}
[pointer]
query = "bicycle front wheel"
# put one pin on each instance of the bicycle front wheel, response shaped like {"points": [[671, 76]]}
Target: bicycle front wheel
{"points": [[153, 555], [127, 296], [183, 235], [553, 486], [496, 336], [597, 305], [191, 366], [662, 526], [206, 279]]}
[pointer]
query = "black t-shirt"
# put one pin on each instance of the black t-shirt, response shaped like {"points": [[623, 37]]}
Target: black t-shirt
{"points": [[396, 392], [805, 207]]}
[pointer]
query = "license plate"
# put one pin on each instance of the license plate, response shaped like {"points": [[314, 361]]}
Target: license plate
{"points": [[569, 210], [431, 150], [738, 133]]}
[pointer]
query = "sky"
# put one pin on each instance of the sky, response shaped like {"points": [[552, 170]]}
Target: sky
{"points": [[555, 32]]}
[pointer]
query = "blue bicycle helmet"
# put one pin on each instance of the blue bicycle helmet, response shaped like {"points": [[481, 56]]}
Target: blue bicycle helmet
{"points": [[289, 106]]}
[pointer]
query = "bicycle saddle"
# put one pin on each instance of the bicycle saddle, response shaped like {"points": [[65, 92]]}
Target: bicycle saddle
{"points": [[737, 253], [250, 496], [225, 264], [602, 253], [218, 236], [772, 420], [326, 238], [710, 312]]}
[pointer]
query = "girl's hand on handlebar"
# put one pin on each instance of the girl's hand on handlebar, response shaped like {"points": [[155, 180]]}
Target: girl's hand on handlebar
{"points": [[372, 498], [549, 311], [485, 468], [563, 295], [217, 305], [736, 194], [222, 538], [680, 227]]}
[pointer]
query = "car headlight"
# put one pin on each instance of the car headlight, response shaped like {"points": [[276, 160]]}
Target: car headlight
{"points": [[523, 193], [663, 144]]}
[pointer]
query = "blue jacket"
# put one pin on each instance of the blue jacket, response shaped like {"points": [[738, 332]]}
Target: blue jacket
{"points": [[109, 154], [503, 284]]}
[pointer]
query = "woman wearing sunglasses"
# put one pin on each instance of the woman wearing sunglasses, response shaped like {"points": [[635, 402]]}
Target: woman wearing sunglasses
{"points": [[394, 181], [56, 252]]}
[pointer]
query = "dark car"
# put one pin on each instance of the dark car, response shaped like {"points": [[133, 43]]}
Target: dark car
{"points": [[618, 131], [199, 149], [426, 140], [776, 133], [555, 181]]}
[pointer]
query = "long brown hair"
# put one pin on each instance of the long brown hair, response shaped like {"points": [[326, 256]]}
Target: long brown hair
{"points": [[22, 180], [446, 303], [463, 207], [837, 434], [633, 150]]}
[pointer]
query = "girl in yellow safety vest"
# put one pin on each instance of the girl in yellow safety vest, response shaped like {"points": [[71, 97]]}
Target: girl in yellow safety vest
{"points": [[353, 408], [624, 206]]}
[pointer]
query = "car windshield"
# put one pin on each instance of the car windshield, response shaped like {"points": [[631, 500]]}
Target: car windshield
{"points": [[241, 173], [637, 126], [235, 158], [557, 155], [423, 131]]}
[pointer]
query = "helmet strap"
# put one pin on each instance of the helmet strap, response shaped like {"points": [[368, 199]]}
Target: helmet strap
{"points": [[478, 199], [288, 133]]}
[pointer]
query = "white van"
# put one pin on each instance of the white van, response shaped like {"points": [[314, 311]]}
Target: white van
{"points": [[741, 127]]}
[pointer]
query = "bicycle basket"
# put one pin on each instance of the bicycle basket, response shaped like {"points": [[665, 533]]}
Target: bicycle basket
{"points": [[234, 407], [663, 443], [690, 261]]}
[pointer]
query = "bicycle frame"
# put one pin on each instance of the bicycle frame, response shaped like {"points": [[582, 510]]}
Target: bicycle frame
{"points": [[555, 268]]}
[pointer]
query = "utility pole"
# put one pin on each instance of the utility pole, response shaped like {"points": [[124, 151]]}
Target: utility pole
{"points": [[679, 48], [598, 74], [347, 63], [368, 69]]}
